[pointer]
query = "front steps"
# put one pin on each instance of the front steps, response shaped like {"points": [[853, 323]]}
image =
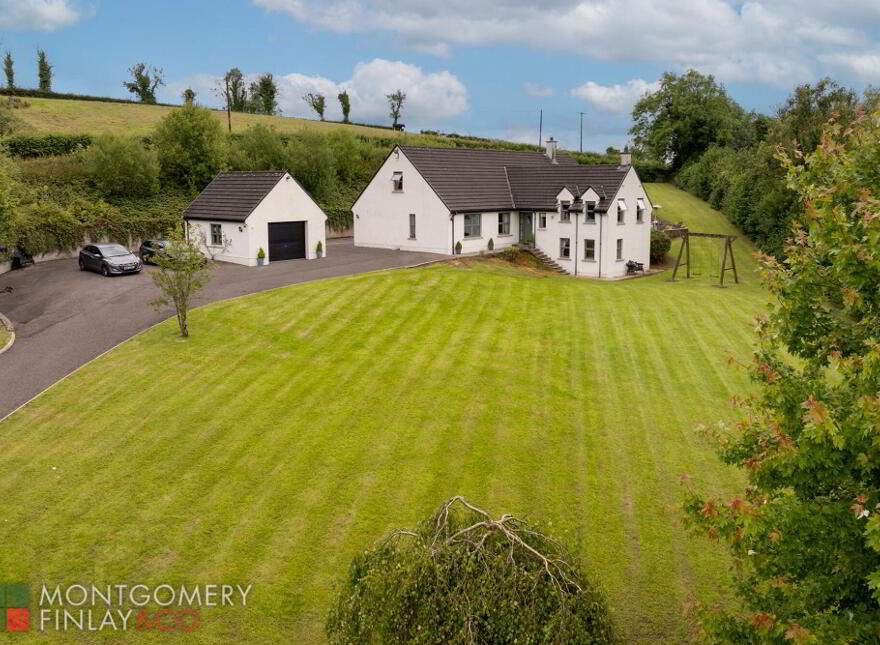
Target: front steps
{"points": [[545, 259]]}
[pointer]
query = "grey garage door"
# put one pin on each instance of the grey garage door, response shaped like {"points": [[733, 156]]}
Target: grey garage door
{"points": [[287, 240]]}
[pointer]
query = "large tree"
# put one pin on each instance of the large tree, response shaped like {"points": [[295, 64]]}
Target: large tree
{"points": [[317, 102], [145, 80], [686, 115], [44, 71], [190, 146], [803, 116], [395, 105], [264, 95], [345, 104], [9, 69], [805, 533]]}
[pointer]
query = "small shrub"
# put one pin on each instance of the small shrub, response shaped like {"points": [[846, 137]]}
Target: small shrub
{"points": [[491, 244], [458, 248], [660, 245], [122, 167], [261, 254], [320, 247], [464, 577]]}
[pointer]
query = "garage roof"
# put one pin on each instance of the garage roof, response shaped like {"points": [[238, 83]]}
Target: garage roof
{"points": [[233, 196]]}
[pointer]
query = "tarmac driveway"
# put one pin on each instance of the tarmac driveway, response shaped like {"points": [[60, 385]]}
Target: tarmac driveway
{"points": [[63, 317]]}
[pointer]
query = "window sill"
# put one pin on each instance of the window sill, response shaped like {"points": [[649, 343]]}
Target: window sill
{"points": [[642, 222], [473, 238], [590, 222], [396, 191], [505, 235], [542, 229], [411, 238], [565, 221], [590, 260], [619, 260], [621, 223], [566, 259]]}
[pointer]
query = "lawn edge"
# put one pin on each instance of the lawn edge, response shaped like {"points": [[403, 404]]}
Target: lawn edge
{"points": [[5, 322]]}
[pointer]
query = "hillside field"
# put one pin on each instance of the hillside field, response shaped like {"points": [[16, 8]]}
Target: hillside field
{"points": [[298, 426]]}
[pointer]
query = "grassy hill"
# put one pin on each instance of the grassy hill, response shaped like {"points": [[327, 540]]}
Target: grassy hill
{"points": [[298, 426], [96, 117]]}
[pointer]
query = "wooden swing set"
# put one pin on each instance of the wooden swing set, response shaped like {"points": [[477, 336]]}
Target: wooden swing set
{"points": [[685, 250]]}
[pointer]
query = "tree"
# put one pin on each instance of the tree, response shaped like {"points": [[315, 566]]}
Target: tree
{"points": [[9, 200], [146, 79], [182, 273], [9, 69], [465, 577], [802, 118], [316, 102], [122, 167], [259, 148], [264, 95], [805, 534], [190, 146], [686, 115], [189, 96], [345, 104], [395, 102], [234, 94], [44, 71]]}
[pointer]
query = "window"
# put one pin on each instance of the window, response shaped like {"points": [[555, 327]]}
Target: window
{"points": [[640, 210], [590, 250], [472, 225], [216, 235], [564, 214], [412, 226], [564, 247], [397, 182], [503, 223], [621, 210], [591, 213], [542, 220], [619, 250]]}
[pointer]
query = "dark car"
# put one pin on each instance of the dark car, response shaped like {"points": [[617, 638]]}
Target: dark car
{"points": [[109, 259], [18, 257], [149, 248]]}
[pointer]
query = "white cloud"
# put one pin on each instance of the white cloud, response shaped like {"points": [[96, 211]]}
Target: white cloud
{"points": [[534, 89], [43, 15], [429, 95], [618, 99], [756, 40]]}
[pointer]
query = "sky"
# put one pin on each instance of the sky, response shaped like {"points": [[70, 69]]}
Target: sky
{"points": [[476, 67]]}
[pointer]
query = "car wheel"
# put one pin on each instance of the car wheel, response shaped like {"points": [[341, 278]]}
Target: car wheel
{"points": [[105, 271], [82, 265]]}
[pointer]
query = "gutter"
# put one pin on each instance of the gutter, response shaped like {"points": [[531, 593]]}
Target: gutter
{"points": [[601, 217], [452, 227]]}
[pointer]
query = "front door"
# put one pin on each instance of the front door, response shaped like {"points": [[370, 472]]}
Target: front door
{"points": [[525, 229], [287, 240]]}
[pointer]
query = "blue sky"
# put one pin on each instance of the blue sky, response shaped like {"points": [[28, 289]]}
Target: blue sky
{"points": [[473, 67]]}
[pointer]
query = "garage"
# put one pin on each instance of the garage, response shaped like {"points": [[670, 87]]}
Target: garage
{"points": [[256, 218], [287, 241]]}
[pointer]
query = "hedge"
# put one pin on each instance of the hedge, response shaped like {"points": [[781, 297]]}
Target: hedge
{"points": [[44, 145], [43, 94]]}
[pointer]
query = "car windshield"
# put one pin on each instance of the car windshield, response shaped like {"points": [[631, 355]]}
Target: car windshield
{"points": [[113, 250]]}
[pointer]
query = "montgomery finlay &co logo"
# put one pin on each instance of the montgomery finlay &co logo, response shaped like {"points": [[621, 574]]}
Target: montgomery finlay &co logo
{"points": [[14, 604], [115, 607]]}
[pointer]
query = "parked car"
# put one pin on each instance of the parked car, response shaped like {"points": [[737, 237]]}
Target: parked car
{"points": [[18, 256], [109, 259], [149, 248]]}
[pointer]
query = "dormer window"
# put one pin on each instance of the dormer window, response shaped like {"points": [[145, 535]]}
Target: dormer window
{"points": [[397, 182], [591, 213], [564, 214], [621, 210], [640, 210]]}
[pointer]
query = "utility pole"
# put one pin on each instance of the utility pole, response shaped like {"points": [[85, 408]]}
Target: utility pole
{"points": [[582, 130], [540, 127]]}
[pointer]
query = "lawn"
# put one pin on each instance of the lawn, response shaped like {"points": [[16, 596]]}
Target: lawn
{"points": [[298, 426], [98, 117]]}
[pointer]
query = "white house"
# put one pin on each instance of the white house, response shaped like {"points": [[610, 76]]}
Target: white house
{"points": [[589, 219], [240, 213]]}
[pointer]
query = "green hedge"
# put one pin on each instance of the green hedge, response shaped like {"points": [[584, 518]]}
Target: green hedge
{"points": [[44, 145], [43, 94]]}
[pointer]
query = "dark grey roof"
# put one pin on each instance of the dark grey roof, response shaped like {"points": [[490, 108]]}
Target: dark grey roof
{"points": [[537, 188], [471, 179], [232, 196]]}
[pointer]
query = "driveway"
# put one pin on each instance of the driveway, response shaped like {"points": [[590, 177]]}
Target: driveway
{"points": [[64, 317]]}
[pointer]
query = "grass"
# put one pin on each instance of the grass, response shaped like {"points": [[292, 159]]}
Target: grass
{"points": [[4, 335], [298, 426], [96, 117]]}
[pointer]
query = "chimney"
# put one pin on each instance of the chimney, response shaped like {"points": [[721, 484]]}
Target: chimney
{"points": [[626, 158], [550, 147]]}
